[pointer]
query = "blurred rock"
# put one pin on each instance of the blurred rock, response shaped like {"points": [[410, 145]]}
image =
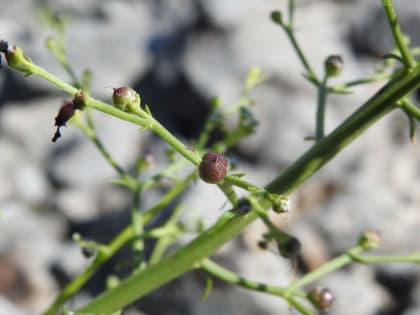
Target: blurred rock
{"points": [[30, 237], [369, 19], [31, 125], [7, 307], [77, 204], [31, 184]]}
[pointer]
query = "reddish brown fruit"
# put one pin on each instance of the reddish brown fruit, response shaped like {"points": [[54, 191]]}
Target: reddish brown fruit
{"points": [[321, 298], [213, 168]]}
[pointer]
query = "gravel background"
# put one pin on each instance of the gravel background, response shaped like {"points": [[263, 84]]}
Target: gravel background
{"points": [[178, 54]]}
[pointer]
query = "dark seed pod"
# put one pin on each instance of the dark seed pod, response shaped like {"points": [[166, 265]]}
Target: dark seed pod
{"points": [[321, 298], [262, 244], [65, 113], [4, 46], [88, 251], [125, 98], [333, 65], [289, 248], [243, 206], [213, 168]]}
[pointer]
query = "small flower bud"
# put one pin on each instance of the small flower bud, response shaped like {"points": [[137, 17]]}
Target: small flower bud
{"points": [[333, 65], [80, 100], [15, 58], [281, 205], [321, 298], [370, 239], [243, 206], [213, 168], [276, 16], [126, 99]]}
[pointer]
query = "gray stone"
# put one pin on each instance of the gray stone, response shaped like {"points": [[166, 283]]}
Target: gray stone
{"points": [[32, 125], [31, 184], [7, 307]]}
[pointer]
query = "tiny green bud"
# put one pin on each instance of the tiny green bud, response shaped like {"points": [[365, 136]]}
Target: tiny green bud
{"points": [[321, 298], [333, 65], [213, 168], [80, 100], [276, 16], [112, 281], [370, 239], [15, 58], [126, 99], [281, 205]]}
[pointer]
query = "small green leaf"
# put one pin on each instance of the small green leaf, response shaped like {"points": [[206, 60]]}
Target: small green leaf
{"points": [[207, 290], [255, 76]]}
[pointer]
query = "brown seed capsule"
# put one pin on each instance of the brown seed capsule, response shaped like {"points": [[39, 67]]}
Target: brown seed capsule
{"points": [[213, 168], [321, 298], [65, 113]]}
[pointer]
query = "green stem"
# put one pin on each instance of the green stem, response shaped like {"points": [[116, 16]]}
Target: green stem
{"points": [[342, 88], [168, 197], [164, 242], [299, 307], [382, 259], [230, 194], [408, 59], [90, 133], [137, 224], [221, 273], [320, 112], [334, 264], [311, 74], [410, 108], [230, 225]]}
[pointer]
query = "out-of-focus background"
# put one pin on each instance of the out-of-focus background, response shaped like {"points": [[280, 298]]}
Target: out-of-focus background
{"points": [[178, 54]]}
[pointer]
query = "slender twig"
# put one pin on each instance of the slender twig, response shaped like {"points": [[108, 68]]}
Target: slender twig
{"points": [[310, 72], [320, 112], [137, 223], [410, 108], [384, 259], [164, 242], [334, 264], [400, 41]]}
